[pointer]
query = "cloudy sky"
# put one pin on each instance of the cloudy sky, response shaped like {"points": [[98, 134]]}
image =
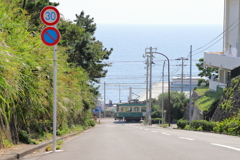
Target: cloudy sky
{"points": [[146, 11]]}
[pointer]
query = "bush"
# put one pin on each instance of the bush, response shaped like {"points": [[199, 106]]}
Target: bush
{"points": [[182, 123], [156, 120], [187, 127], [24, 137], [202, 125], [229, 126], [90, 122]]}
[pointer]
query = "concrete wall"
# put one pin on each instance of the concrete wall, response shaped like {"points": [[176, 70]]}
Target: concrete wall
{"points": [[221, 61], [214, 84], [231, 21]]}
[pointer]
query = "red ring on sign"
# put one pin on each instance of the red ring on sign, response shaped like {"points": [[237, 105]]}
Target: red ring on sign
{"points": [[42, 15], [50, 28]]}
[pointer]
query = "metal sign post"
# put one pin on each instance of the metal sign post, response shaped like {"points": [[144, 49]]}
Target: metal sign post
{"points": [[51, 36]]}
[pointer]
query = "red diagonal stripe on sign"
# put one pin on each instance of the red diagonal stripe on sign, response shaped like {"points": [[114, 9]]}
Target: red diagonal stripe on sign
{"points": [[50, 36]]}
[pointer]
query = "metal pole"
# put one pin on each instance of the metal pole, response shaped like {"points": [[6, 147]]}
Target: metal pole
{"points": [[104, 114], [163, 93], [190, 90], [169, 107], [55, 97], [182, 76], [147, 108], [150, 87], [119, 93]]}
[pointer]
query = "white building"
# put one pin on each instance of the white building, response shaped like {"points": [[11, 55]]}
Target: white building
{"points": [[228, 60]]}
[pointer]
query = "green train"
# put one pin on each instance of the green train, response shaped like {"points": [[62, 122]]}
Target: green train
{"points": [[130, 111]]}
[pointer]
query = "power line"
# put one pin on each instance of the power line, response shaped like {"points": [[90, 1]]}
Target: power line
{"points": [[218, 35]]}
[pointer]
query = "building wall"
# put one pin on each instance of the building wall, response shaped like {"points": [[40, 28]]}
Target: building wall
{"points": [[231, 21]]}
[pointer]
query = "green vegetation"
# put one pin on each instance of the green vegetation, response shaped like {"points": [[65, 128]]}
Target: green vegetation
{"points": [[230, 126], [178, 104], [202, 90], [205, 72], [197, 125], [26, 73], [208, 98], [227, 103]]}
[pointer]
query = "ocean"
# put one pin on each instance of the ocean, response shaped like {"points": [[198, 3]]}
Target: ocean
{"points": [[129, 42]]}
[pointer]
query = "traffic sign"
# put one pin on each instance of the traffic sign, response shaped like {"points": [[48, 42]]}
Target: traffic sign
{"points": [[50, 36], [50, 15]]}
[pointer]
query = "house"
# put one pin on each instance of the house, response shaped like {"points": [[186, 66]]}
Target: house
{"points": [[228, 60]]}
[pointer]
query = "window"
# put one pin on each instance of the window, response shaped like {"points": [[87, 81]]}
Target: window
{"points": [[136, 109], [128, 109], [121, 109]]}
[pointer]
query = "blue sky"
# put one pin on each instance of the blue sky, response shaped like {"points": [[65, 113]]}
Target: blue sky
{"points": [[146, 11]]}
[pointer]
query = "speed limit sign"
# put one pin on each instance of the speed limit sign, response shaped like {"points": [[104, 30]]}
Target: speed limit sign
{"points": [[50, 15]]}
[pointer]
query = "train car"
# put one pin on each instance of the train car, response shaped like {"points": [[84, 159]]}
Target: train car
{"points": [[130, 111]]}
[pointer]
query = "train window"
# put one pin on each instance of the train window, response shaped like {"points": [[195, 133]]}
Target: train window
{"points": [[136, 109], [128, 109], [121, 109]]}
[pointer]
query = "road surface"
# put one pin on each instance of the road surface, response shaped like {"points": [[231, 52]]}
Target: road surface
{"points": [[114, 140]]}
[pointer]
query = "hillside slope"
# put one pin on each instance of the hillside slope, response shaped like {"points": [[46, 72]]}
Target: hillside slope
{"points": [[229, 103]]}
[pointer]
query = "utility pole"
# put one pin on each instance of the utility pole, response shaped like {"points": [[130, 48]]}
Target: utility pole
{"points": [[119, 92], [104, 100], [150, 85], [147, 107], [190, 89], [182, 58], [163, 92]]}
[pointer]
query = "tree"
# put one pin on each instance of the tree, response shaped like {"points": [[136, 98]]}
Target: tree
{"points": [[178, 104], [205, 71], [34, 7], [85, 51]]}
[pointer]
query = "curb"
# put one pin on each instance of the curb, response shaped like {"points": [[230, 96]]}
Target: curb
{"points": [[24, 153]]}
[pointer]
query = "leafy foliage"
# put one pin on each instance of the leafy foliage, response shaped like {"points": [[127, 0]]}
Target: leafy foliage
{"points": [[182, 123], [205, 71], [208, 98], [178, 104], [229, 126], [26, 71], [202, 125]]}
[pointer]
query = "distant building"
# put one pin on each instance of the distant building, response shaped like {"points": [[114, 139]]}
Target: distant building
{"points": [[176, 83], [228, 60]]}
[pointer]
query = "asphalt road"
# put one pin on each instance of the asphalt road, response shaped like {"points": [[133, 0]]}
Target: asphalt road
{"points": [[114, 140]]}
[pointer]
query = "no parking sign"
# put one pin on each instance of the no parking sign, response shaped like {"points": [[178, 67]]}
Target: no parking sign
{"points": [[50, 36]]}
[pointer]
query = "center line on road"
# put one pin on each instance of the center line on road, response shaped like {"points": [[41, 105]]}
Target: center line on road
{"points": [[190, 139], [154, 131], [229, 147], [166, 134], [146, 129]]}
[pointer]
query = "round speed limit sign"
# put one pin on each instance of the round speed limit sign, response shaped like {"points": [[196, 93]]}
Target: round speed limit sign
{"points": [[50, 15]]}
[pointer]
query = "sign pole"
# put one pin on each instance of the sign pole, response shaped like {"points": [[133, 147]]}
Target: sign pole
{"points": [[55, 97], [51, 36]]}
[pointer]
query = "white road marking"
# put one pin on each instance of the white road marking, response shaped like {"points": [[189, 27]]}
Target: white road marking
{"points": [[140, 128], [166, 134], [154, 131], [146, 129], [52, 151], [190, 139], [229, 147]]}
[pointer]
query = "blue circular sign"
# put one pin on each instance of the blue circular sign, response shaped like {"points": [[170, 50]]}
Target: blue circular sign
{"points": [[50, 36]]}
